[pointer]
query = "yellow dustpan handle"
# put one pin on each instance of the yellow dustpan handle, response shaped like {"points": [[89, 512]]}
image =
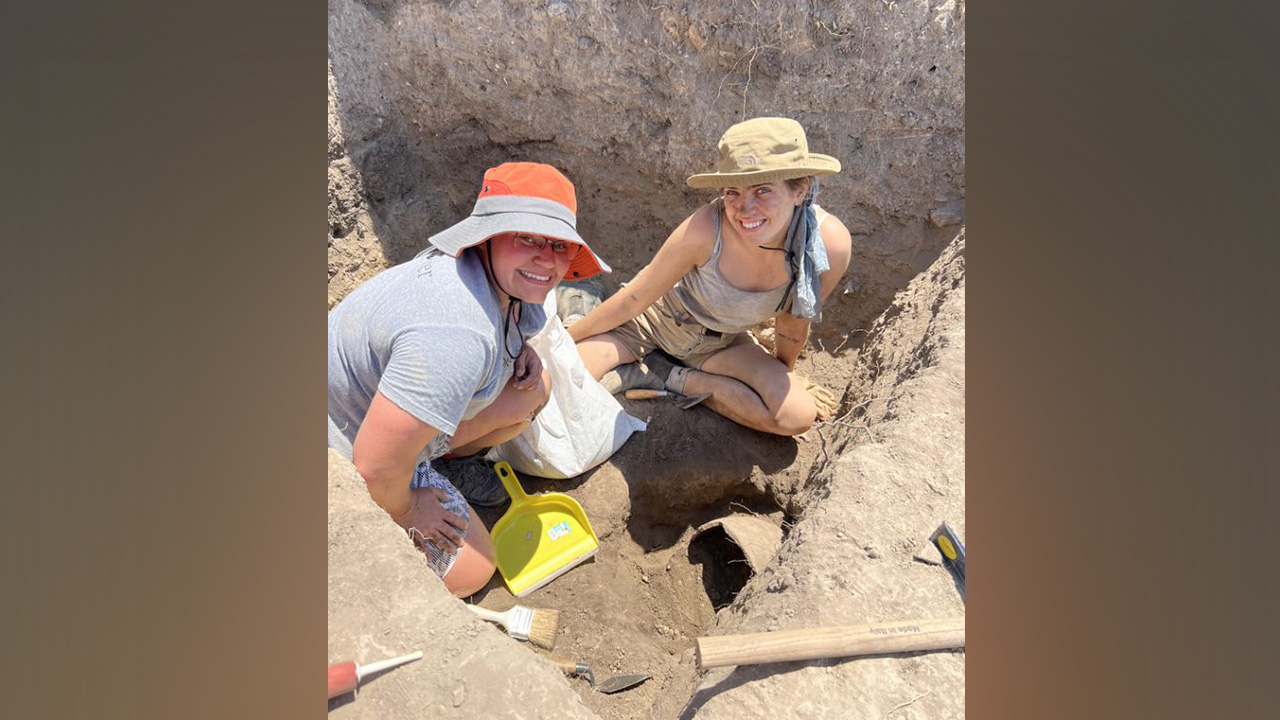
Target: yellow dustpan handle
{"points": [[509, 481]]}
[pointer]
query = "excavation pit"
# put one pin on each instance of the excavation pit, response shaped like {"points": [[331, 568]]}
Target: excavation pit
{"points": [[628, 100], [663, 571], [724, 568], [731, 550], [854, 499]]}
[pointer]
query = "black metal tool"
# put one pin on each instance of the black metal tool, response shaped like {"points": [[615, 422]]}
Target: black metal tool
{"points": [[952, 549], [614, 684]]}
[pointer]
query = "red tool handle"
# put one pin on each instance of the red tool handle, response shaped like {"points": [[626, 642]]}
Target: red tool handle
{"points": [[342, 678]]}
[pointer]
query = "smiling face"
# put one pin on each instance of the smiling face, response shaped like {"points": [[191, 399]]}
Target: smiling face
{"points": [[762, 213], [528, 266]]}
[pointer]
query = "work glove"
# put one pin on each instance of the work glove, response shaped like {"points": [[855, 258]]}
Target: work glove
{"points": [[826, 401]]}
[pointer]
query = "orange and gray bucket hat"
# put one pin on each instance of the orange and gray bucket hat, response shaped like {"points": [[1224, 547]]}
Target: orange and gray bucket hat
{"points": [[523, 197]]}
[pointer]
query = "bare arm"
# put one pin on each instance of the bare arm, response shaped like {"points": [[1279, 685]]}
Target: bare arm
{"points": [[789, 336], [791, 332], [689, 245], [385, 453]]}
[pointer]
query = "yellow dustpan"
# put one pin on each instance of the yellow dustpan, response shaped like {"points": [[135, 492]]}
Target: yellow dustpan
{"points": [[540, 537]]}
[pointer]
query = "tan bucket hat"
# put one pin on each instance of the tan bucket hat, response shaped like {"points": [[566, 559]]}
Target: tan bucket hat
{"points": [[763, 150]]}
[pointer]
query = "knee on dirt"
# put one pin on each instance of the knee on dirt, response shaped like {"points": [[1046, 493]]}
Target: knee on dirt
{"points": [[470, 573], [796, 415]]}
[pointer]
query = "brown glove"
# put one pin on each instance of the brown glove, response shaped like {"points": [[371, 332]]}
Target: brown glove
{"points": [[826, 401]]}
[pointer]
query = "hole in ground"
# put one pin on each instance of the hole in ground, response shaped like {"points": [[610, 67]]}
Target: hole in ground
{"points": [[725, 570]]}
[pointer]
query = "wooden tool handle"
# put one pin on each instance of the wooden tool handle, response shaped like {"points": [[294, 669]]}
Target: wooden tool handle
{"points": [[834, 642], [643, 394], [571, 668]]}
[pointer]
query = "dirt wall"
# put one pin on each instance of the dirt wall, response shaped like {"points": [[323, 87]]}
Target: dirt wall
{"points": [[629, 99], [355, 251]]}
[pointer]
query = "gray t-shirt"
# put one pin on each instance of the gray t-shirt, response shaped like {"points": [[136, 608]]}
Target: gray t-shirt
{"points": [[427, 334]]}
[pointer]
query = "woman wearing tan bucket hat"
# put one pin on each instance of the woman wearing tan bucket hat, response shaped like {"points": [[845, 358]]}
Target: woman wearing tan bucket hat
{"points": [[428, 358], [761, 250]]}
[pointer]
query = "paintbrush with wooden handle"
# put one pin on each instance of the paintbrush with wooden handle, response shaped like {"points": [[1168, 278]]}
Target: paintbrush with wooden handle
{"points": [[537, 625]]}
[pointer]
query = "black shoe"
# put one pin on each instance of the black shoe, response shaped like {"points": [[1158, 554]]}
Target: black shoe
{"points": [[670, 374], [475, 479], [629, 376]]}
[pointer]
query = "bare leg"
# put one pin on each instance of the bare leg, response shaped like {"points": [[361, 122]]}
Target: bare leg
{"points": [[753, 388], [506, 417], [602, 353], [476, 560]]}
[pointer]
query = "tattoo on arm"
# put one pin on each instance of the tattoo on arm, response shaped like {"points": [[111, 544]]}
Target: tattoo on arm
{"points": [[633, 297]]}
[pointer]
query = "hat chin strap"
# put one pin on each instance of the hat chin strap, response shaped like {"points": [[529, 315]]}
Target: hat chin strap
{"points": [[513, 304]]}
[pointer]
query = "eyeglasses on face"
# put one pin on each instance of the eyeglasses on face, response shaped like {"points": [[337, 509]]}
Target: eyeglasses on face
{"points": [[559, 247]]}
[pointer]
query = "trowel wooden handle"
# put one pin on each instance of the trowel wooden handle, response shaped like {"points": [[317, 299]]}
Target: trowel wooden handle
{"points": [[643, 394], [571, 668], [833, 642]]}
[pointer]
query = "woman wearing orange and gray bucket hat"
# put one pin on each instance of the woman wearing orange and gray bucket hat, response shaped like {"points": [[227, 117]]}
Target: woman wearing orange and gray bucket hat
{"points": [[428, 358], [761, 250]]}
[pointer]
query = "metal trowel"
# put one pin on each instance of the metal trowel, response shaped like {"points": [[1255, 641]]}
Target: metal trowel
{"points": [[621, 682], [617, 683]]}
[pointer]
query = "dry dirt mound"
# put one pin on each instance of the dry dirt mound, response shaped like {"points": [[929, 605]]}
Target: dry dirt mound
{"points": [[854, 501], [385, 602]]}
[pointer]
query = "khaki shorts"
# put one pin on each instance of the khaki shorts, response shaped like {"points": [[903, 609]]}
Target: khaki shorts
{"points": [[675, 333]]}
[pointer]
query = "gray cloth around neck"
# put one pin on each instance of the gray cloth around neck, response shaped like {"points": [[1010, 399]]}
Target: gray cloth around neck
{"points": [[807, 258]]}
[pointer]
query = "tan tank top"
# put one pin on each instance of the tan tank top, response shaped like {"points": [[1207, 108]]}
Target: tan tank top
{"points": [[707, 297]]}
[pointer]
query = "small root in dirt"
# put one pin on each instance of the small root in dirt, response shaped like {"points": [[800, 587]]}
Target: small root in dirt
{"points": [[902, 705]]}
